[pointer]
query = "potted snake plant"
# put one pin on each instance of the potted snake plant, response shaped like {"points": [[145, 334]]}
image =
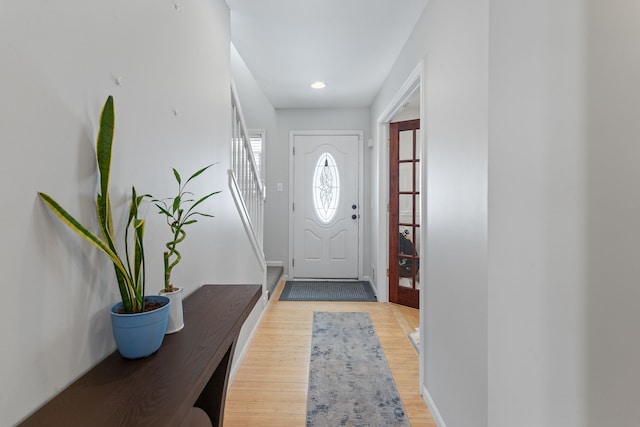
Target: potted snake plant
{"points": [[179, 212], [138, 321]]}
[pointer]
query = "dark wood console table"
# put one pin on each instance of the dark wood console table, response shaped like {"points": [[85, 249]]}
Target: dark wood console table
{"points": [[191, 369]]}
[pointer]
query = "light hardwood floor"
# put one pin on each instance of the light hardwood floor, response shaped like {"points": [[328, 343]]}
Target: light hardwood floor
{"points": [[270, 387]]}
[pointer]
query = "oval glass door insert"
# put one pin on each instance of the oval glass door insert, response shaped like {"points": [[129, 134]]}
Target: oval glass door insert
{"points": [[326, 187]]}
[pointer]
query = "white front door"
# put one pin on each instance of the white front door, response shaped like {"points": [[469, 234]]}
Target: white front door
{"points": [[326, 205]]}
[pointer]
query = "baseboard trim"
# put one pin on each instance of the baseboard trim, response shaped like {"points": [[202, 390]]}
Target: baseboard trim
{"points": [[373, 286], [275, 264], [238, 356], [432, 407]]}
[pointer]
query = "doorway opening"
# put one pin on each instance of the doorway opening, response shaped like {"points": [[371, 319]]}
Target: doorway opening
{"points": [[411, 93]]}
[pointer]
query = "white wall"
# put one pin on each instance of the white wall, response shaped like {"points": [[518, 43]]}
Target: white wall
{"points": [[277, 208], [563, 297], [452, 38], [547, 335], [537, 221], [258, 114], [60, 61], [612, 306]]}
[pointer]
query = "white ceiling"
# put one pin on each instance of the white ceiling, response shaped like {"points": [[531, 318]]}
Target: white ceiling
{"points": [[349, 44]]}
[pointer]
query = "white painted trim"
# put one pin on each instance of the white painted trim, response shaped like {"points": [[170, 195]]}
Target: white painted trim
{"points": [[415, 81], [373, 286], [362, 211], [433, 408], [275, 264], [239, 354], [406, 91]]}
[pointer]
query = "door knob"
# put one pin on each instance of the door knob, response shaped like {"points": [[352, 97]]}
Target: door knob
{"points": [[354, 207], [354, 216]]}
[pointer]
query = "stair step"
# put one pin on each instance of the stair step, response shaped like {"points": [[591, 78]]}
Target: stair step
{"points": [[273, 277]]}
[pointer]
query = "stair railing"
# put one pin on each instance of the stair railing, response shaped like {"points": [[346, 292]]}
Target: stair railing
{"points": [[244, 180]]}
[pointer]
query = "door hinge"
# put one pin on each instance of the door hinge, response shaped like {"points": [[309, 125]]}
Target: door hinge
{"points": [[388, 142], [293, 262], [293, 206], [387, 272], [294, 150]]}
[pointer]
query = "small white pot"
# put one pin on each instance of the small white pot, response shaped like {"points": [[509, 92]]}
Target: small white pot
{"points": [[176, 320]]}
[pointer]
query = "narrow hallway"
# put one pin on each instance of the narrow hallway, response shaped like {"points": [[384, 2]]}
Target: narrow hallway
{"points": [[270, 387]]}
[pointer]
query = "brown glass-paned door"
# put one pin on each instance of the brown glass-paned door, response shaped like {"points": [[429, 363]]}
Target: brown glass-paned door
{"points": [[404, 213]]}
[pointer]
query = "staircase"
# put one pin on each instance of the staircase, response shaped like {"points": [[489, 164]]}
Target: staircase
{"points": [[273, 277], [245, 184]]}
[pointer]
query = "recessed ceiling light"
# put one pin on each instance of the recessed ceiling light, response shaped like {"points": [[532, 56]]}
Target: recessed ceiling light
{"points": [[318, 85]]}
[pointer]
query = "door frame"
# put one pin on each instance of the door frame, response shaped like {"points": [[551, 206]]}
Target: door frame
{"points": [[416, 81], [362, 210]]}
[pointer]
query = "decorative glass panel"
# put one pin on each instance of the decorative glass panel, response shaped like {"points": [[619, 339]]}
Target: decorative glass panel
{"points": [[326, 187]]}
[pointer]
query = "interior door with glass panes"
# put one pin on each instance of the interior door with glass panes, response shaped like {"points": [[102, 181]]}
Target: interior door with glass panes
{"points": [[326, 206], [404, 213]]}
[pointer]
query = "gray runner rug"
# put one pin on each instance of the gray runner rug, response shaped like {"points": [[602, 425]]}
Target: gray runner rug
{"points": [[350, 383]]}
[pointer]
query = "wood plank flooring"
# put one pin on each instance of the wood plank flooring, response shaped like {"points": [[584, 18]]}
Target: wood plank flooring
{"points": [[270, 387]]}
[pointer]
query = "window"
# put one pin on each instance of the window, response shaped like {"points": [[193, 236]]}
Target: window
{"points": [[256, 138], [326, 187]]}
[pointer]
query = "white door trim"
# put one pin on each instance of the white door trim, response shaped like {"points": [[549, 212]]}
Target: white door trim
{"points": [[414, 82], [406, 92], [362, 210]]}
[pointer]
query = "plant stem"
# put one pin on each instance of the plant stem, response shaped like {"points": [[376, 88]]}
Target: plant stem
{"points": [[168, 266], [167, 272]]}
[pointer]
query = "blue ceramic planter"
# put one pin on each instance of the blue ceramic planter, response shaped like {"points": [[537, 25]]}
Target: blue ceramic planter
{"points": [[140, 334]]}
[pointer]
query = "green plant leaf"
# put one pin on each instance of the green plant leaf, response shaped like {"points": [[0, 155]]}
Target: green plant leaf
{"points": [[138, 273], [163, 210], [198, 172], [201, 200], [176, 204], [130, 283], [83, 232], [177, 218], [104, 146]]}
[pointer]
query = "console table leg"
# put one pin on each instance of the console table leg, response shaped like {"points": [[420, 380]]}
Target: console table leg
{"points": [[212, 398]]}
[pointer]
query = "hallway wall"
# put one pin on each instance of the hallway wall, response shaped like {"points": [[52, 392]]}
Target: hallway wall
{"points": [[60, 60], [452, 39], [538, 229], [564, 211], [612, 306], [257, 110], [531, 305]]}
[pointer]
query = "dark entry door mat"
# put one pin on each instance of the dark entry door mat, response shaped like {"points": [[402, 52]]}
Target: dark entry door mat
{"points": [[360, 291]]}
